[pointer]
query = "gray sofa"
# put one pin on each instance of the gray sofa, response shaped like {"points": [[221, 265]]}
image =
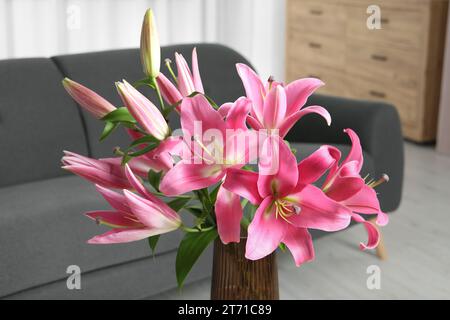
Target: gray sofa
{"points": [[42, 229]]}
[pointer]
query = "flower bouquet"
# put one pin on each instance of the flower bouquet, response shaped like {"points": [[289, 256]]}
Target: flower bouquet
{"points": [[228, 166]]}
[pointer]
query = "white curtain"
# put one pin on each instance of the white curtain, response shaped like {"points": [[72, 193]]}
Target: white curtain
{"points": [[255, 28]]}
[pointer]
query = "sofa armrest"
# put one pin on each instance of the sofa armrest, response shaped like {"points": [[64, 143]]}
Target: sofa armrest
{"points": [[378, 127]]}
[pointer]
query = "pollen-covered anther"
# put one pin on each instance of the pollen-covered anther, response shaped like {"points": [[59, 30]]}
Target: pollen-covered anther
{"points": [[384, 178], [285, 210]]}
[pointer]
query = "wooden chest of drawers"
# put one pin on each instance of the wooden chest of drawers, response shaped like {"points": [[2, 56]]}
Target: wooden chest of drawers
{"points": [[400, 63]]}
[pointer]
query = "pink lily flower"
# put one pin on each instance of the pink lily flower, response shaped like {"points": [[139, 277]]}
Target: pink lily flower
{"points": [[88, 99], [143, 110], [135, 217], [106, 172], [345, 185], [160, 158], [275, 106], [288, 205], [187, 81], [209, 160]]}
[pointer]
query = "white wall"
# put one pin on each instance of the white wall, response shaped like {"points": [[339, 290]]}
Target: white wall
{"points": [[255, 28]]}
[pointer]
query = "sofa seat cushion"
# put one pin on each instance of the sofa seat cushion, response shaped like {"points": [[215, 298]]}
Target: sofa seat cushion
{"points": [[43, 231]]}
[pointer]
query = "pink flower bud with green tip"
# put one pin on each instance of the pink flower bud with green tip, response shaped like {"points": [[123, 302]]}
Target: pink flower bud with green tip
{"points": [[88, 99]]}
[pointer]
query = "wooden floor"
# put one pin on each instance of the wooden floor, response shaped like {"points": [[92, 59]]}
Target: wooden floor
{"points": [[417, 240]]}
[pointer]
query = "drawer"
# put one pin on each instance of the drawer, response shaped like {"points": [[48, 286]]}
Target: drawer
{"points": [[406, 101], [336, 83], [399, 66], [316, 16], [317, 49], [400, 27], [398, 4]]}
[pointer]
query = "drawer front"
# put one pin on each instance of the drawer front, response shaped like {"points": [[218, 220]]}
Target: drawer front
{"points": [[399, 66], [400, 27], [406, 101], [316, 16], [336, 82], [317, 49]]}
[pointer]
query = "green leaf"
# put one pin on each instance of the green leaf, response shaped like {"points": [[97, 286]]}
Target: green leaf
{"points": [[168, 109], [178, 203], [197, 212], [211, 101], [152, 241], [144, 140], [109, 128], [119, 115], [190, 249], [143, 82], [142, 151], [213, 194], [282, 246], [154, 178]]}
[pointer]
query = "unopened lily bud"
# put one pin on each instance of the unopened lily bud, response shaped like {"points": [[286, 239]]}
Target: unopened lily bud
{"points": [[88, 99], [150, 48]]}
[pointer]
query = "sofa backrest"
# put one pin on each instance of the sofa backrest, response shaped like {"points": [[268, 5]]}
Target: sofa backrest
{"points": [[100, 70], [37, 121]]}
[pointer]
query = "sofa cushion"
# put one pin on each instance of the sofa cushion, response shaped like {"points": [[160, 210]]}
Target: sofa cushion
{"points": [[37, 121], [100, 70], [43, 231]]}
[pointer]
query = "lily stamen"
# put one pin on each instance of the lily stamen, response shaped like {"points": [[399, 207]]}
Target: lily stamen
{"points": [[384, 178], [285, 210]]}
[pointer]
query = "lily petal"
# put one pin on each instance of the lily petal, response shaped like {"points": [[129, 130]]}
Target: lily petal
{"points": [[197, 111], [237, 114], [255, 124], [314, 166], [196, 73], [113, 219], [123, 236], [228, 215], [274, 108], [278, 171], [289, 122], [185, 83], [150, 214], [365, 201], [298, 92], [168, 90], [185, 177], [265, 232], [254, 89], [372, 233], [317, 211], [115, 199], [243, 183], [355, 153], [299, 242]]}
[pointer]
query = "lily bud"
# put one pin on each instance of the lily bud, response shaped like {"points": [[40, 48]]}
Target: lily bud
{"points": [[143, 110], [88, 99], [150, 48]]}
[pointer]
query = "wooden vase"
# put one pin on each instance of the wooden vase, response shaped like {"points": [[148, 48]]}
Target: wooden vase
{"points": [[236, 278]]}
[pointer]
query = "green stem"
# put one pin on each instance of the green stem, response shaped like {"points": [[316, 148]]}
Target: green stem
{"points": [[158, 92], [169, 67], [187, 229], [245, 223]]}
